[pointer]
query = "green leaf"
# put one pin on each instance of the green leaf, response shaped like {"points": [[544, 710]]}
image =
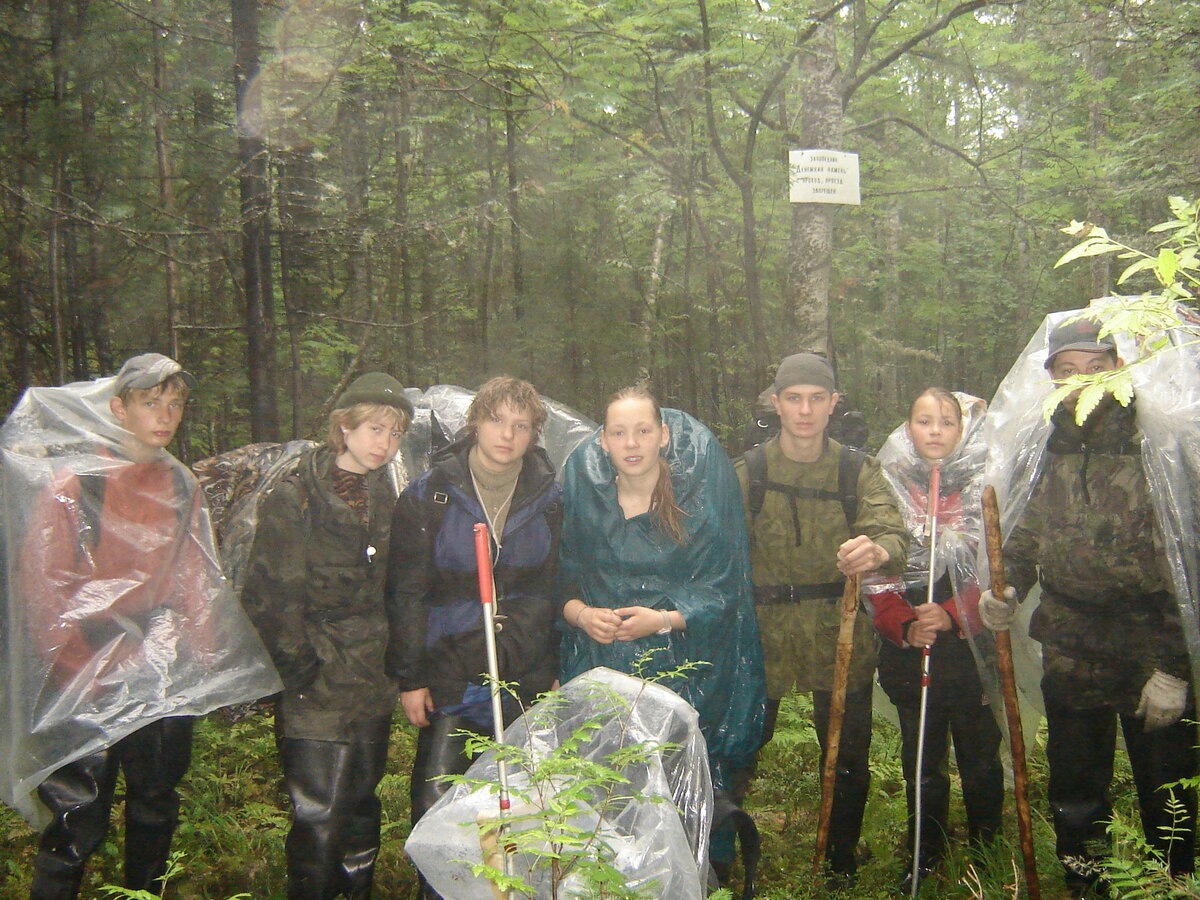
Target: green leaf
{"points": [[1089, 399], [1140, 266], [1095, 246], [1167, 265], [1120, 384]]}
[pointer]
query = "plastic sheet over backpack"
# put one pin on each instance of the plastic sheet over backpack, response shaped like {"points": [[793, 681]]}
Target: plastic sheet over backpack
{"points": [[655, 824]]}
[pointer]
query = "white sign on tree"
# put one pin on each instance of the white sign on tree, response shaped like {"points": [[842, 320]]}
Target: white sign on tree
{"points": [[823, 176]]}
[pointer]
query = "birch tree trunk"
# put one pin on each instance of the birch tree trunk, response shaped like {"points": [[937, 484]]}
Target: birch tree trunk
{"points": [[810, 262]]}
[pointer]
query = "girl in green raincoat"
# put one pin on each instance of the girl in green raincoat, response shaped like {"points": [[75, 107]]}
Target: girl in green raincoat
{"points": [[655, 560]]}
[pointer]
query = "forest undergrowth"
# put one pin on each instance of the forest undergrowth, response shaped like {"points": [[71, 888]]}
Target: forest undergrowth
{"points": [[234, 822]]}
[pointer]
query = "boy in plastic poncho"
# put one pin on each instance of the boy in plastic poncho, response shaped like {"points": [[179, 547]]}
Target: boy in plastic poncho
{"points": [[107, 562], [1113, 646]]}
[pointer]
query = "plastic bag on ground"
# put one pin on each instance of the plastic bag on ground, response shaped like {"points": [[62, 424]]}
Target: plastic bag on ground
{"points": [[656, 824]]}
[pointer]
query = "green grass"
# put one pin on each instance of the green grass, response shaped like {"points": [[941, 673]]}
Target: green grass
{"points": [[235, 819]]}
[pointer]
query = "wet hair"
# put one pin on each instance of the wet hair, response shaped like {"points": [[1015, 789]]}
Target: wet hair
{"points": [[664, 511], [521, 396], [350, 417], [941, 395], [175, 381]]}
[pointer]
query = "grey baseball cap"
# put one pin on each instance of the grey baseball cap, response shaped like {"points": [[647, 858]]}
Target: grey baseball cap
{"points": [[147, 370], [1082, 334]]}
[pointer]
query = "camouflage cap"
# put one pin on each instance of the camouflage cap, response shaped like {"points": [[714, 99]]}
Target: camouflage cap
{"points": [[147, 370], [376, 387], [1080, 334]]}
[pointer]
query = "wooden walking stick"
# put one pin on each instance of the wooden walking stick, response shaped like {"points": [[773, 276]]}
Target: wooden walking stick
{"points": [[837, 712], [1008, 686]]}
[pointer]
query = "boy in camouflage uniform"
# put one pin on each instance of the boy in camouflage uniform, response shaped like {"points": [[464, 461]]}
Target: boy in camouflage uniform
{"points": [[1113, 647], [802, 549]]}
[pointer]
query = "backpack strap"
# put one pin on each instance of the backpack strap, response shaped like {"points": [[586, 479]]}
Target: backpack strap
{"points": [[756, 470], [850, 462], [91, 507], [92, 486]]}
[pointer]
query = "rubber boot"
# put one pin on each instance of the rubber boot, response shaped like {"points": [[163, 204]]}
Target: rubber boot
{"points": [[79, 796], [441, 750], [360, 837], [154, 759]]}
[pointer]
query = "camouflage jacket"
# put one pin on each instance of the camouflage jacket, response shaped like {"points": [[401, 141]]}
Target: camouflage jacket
{"points": [[1090, 536], [315, 592], [800, 637]]}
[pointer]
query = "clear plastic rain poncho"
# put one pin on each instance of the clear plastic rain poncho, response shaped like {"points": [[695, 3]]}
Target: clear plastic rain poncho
{"points": [[608, 560], [115, 610], [1167, 393], [654, 825], [960, 520]]}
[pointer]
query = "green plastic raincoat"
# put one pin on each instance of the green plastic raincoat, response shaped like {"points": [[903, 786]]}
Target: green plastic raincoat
{"points": [[608, 560]]}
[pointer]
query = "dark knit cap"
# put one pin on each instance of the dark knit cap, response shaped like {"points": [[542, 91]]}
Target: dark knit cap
{"points": [[804, 368], [376, 387]]}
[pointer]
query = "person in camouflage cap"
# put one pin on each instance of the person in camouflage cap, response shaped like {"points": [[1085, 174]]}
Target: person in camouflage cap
{"points": [[1113, 647], [818, 512]]}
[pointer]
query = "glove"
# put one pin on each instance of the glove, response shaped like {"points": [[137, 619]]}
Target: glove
{"points": [[998, 614], [1164, 699]]}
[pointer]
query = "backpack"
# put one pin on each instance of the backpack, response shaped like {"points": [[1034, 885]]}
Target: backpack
{"points": [[850, 462]]}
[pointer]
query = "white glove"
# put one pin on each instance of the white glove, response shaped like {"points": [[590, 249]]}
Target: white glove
{"points": [[1163, 700], [998, 614]]}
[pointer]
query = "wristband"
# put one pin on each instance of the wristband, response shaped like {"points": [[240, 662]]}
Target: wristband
{"points": [[579, 616], [666, 629]]}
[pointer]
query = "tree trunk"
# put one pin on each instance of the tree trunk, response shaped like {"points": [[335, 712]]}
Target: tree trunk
{"points": [[811, 256], [650, 314], [298, 260], [355, 145], [1096, 47], [17, 288], [401, 268], [514, 209], [166, 189], [255, 194], [57, 22]]}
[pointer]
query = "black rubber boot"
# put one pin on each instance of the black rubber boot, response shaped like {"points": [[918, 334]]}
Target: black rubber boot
{"points": [[360, 839], [334, 841], [441, 750], [154, 760], [79, 797]]}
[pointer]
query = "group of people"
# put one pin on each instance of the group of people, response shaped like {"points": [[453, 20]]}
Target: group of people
{"points": [[657, 554]]}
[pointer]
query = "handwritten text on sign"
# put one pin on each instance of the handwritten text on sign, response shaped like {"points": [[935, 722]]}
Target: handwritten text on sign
{"points": [[823, 176]]}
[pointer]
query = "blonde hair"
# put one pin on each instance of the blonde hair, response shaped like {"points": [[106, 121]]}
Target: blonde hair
{"points": [[350, 417], [663, 509], [521, 396]]}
